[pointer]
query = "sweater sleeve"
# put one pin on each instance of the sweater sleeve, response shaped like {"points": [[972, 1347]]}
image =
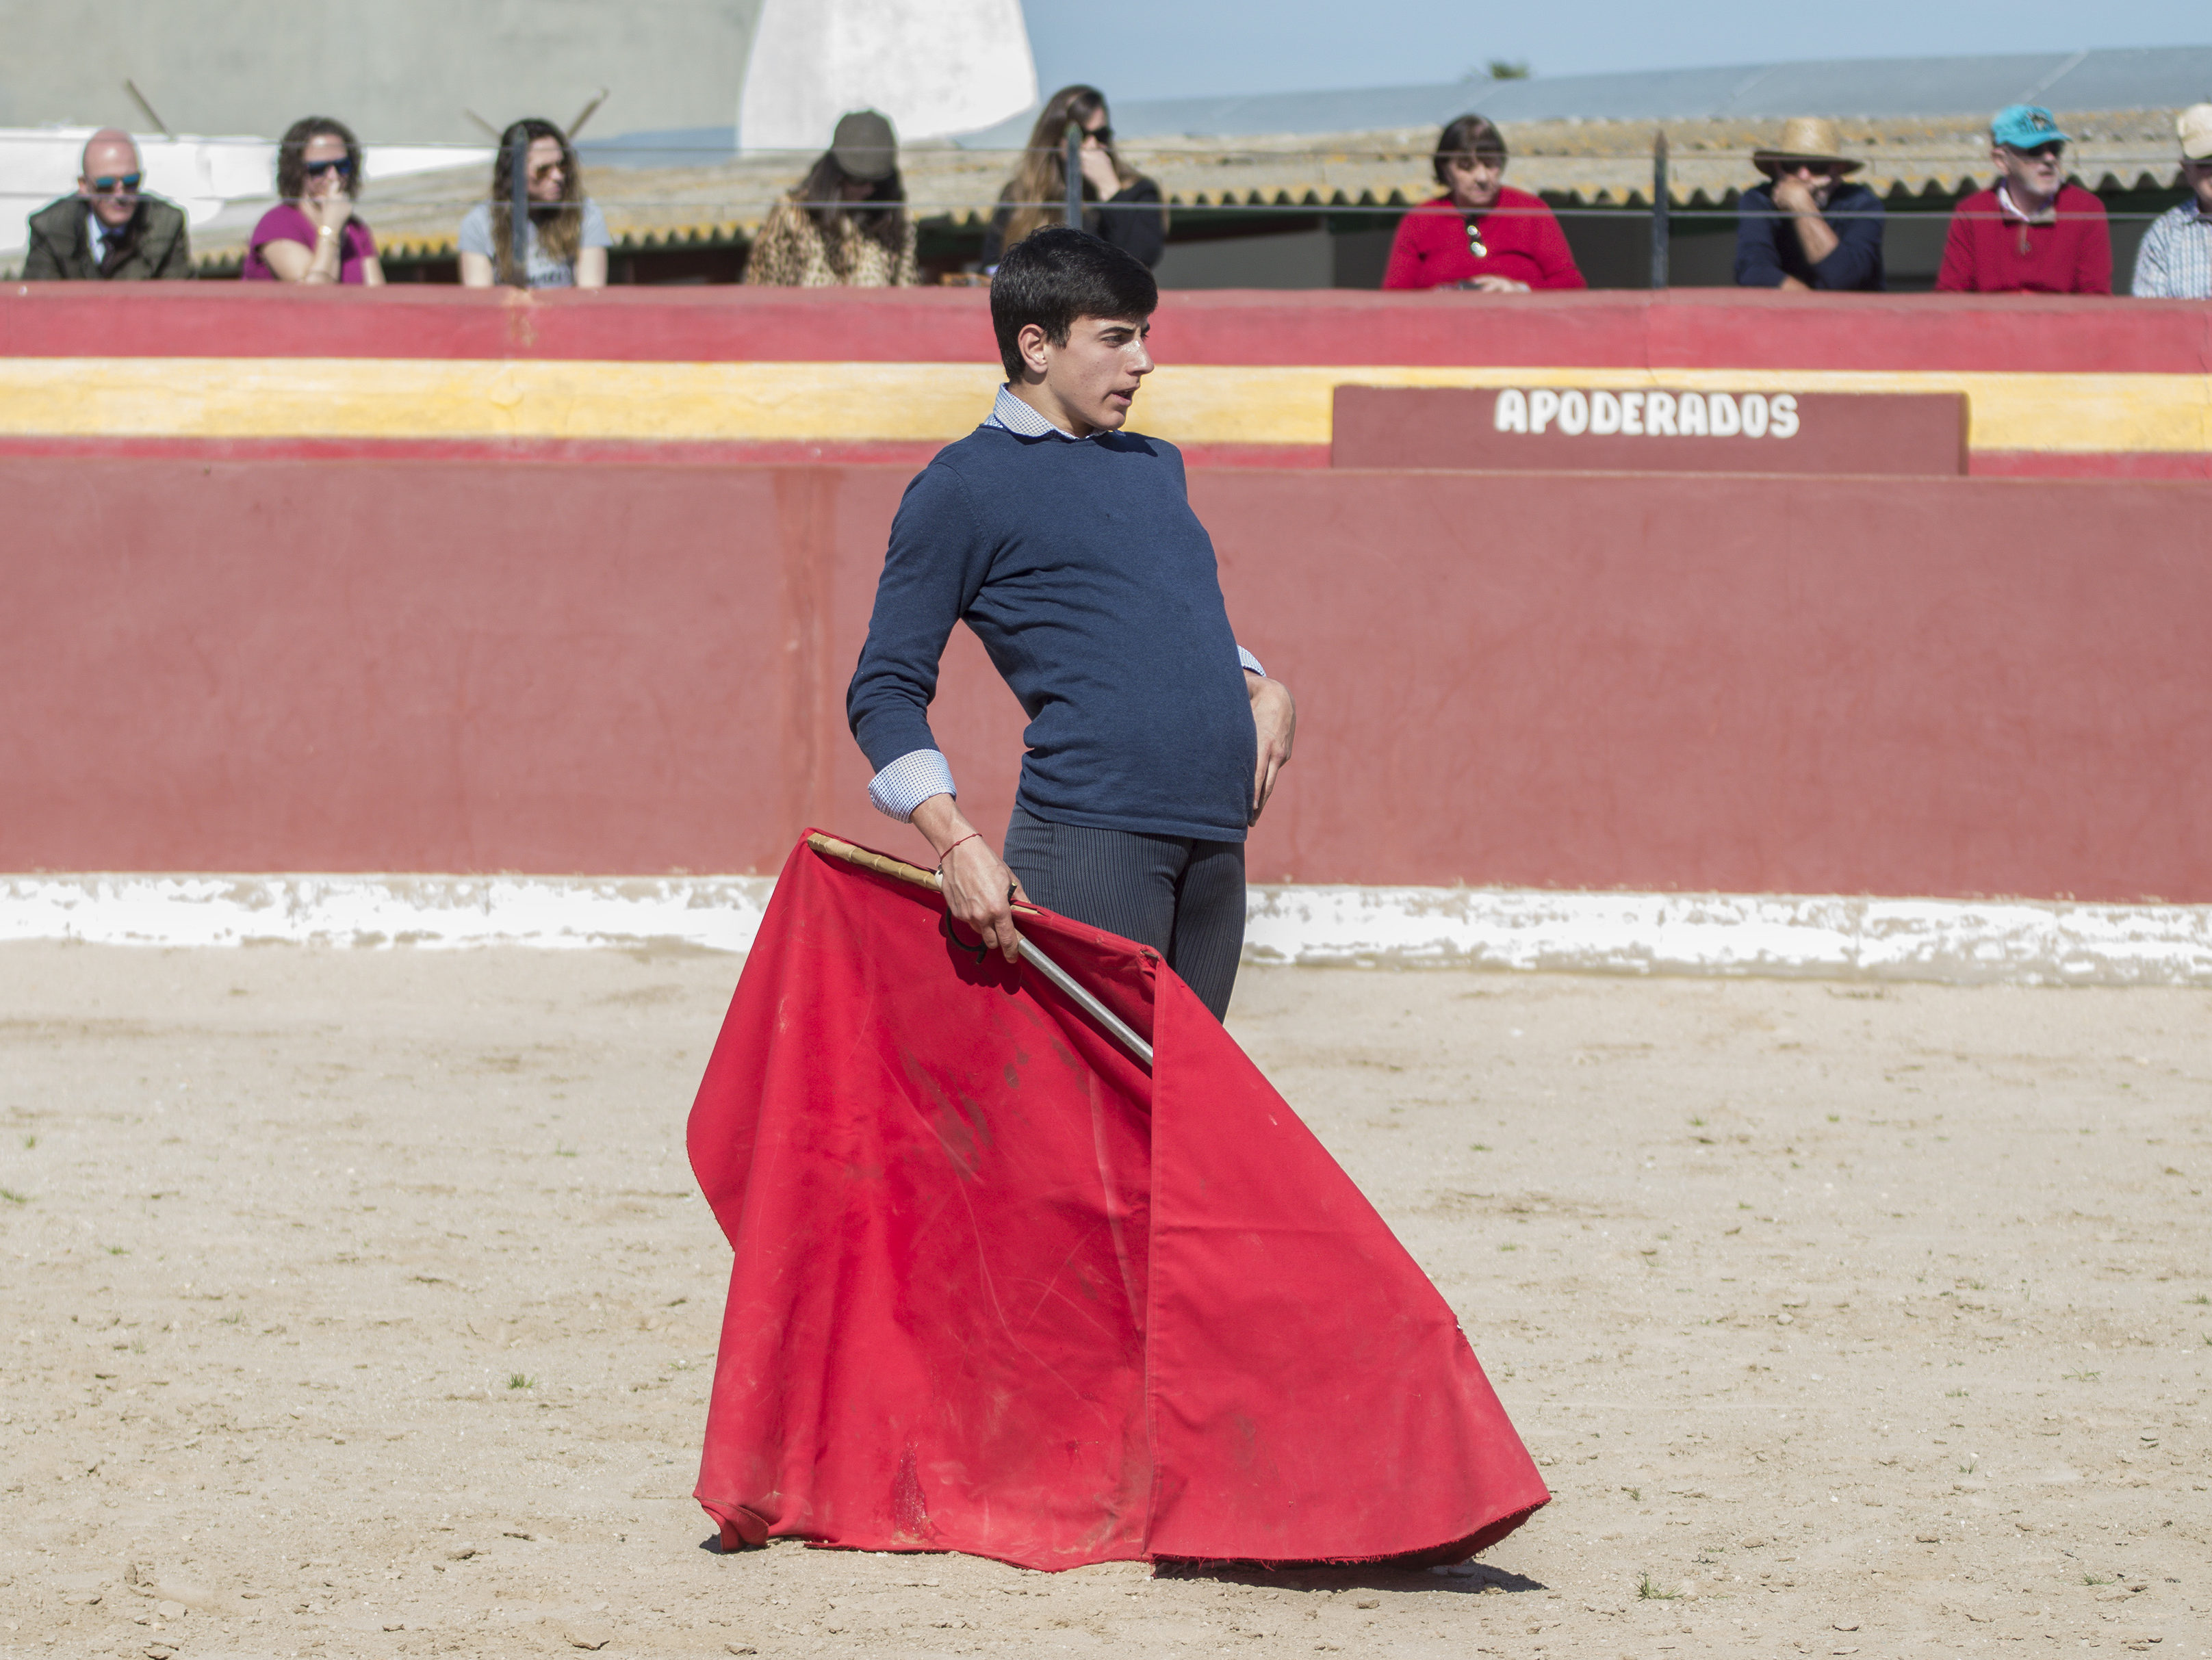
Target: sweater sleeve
{"points": [[1957, 274], [1757, 262], [1408, 262], [2151, 281], [932, 571], [2094, 268], [1554, 255], [1133, 222], [1857, 253]]}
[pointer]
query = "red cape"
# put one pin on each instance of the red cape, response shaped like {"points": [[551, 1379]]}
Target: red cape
{"points": [[999, 1290]]}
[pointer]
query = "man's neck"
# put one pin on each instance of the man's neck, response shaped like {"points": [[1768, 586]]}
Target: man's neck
{"points": [[2025, 203], [1039, 396]]}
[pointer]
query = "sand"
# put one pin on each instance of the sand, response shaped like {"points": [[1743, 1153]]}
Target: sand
{"points": [[360, 1303]]}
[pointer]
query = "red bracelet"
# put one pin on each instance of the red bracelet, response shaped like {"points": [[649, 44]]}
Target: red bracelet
{"points": [[947, 853]]}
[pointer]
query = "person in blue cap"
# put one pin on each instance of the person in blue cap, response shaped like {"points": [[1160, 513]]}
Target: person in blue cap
{"points": [[2031, 232]]}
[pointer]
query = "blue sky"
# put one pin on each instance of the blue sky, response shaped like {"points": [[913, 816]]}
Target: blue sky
{"points": [[1179, 48]]}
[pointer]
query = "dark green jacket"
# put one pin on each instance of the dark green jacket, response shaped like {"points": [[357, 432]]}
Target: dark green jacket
{"points": [[61, 244]]}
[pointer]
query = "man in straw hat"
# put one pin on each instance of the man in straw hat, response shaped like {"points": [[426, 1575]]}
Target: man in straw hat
{"points": [[2175, 260], [1807, 227], [2031, 232]]}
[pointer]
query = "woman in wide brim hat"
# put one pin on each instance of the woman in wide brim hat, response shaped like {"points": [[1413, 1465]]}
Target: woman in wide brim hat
{"points": [[1808, 140]]}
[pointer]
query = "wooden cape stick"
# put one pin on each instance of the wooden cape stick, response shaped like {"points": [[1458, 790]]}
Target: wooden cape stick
{"points": [[899, 870]]}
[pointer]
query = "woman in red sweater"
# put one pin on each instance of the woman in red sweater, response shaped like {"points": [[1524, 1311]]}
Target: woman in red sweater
{"points": [[1479, 234]]}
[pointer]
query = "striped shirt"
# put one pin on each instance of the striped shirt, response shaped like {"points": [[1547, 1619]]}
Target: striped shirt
{"points": [[2175, 260]]}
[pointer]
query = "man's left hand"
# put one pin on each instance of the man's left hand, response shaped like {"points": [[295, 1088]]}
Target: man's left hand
{"points": [[1275, 720]]}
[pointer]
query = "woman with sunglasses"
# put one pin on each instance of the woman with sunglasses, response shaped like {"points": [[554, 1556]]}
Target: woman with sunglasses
{"points": [[1119, 203], [1479, 234], [311, 235], [566, 243]]}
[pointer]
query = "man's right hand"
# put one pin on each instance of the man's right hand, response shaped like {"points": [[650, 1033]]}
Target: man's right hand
{"points": [[980, 891]]}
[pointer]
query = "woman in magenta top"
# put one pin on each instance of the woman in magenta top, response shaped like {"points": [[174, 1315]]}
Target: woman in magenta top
{"points": [[311, 235], [1479, 234]]}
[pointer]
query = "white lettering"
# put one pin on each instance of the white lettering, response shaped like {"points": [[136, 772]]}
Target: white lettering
{"points": [[1631, 413], [1782, 406], [1511, 413], [1543, 404], [1659, 413], [1754, 415], [1727, 422], [1690, 415], [1604, 413], [1574, 413]]}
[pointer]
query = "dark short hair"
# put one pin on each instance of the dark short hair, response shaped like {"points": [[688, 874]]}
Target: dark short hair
{"points": [[1055, 274], [292, 156], [1475, 135]]}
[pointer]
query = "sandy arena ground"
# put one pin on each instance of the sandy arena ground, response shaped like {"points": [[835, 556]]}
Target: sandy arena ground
{"points": [[360, 1303]]}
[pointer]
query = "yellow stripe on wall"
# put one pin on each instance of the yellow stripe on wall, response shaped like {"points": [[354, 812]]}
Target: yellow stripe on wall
{"points": [[858, 403]]}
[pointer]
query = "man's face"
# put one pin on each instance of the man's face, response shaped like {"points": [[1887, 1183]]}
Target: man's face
{"points": [[1095, 377], [2199, 175], [1474, 180], [110, 179], [548, 171], [2037, 172], [1818, 181]]}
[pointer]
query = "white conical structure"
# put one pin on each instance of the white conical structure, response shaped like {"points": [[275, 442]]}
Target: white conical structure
{"points": [[935, 67]]}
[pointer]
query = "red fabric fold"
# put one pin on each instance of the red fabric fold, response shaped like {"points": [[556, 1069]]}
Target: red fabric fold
{"points": [[997, 1290]]}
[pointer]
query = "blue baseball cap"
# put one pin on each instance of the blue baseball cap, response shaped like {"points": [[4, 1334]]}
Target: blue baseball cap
{"points": [[2026, 127]]}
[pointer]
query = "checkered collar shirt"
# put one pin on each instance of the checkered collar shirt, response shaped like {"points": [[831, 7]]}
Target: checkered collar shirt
{"points": [[2175, 260], [1018, 418]]}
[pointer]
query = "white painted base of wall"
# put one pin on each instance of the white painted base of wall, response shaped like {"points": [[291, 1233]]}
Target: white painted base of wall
{"points": [[1961, 942]]}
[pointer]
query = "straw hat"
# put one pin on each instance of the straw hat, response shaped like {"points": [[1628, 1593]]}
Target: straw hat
{"points": [[1805, 138], [2193, 125]]}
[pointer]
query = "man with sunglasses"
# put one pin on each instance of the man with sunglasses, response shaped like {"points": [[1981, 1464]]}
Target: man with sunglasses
{"points": [[110, 230], [1807, 226], [2031, 232]]}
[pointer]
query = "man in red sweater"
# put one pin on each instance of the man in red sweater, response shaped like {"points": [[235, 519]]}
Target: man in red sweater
{"points": [[1478, 235], [2032, 232]]}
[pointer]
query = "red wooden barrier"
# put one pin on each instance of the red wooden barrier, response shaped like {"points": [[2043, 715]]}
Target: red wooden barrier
{"points": [[1938, 687]]}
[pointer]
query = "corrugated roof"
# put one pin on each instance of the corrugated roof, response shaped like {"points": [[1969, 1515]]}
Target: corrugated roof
{"points": [[2109, 79]]}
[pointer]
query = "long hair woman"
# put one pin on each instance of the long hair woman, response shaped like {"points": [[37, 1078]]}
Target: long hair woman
{"points": [[846, 226], [311, 235], [566, 245], [1119, 203]]}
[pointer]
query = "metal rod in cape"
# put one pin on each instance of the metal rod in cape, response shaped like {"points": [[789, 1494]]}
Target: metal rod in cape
{"points": [[1116, 1026], [1659, 207], [518, 212], [1075, 174]]}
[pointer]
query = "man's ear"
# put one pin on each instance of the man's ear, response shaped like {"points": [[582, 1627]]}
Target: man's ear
{"points": [[1032, 343]]}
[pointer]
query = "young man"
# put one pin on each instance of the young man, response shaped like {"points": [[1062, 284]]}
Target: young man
{"points": [[2175, 260], [1807, 227], [110, 230], [2032, 233], [1069, 546]]}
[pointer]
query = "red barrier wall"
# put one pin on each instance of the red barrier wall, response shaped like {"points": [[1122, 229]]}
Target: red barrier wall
{"points": [[1938, 687], [1684, 327]]}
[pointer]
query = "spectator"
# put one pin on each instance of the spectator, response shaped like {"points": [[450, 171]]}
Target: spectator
{"points": [[2175, 260], [1121, 205], [1480, 233], [820, 236], [311, 235], [2032, 232], [1805, 228], [566, 240], [109, 231]]}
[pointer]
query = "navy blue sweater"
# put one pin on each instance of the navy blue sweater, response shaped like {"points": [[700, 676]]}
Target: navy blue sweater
{"points": [[1093, 585], [1767, 249]]}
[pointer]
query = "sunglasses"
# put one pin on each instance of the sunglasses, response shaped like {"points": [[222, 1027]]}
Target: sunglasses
{"points": [[109, 184], [317, 169], [2040, 152], [1103, 134], [537, 174]]}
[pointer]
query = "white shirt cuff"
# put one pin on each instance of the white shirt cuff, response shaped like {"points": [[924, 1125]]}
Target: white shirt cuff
{"points": [[910, 780], [1250, 661]]}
